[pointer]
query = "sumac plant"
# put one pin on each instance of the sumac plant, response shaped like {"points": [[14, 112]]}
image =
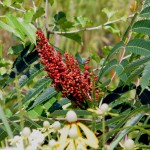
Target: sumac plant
{"points": [[58, 92]]}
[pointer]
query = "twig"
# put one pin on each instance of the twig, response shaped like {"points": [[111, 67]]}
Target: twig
{"points": [[114, 74], [57, 119], [75, 31], [86, 29], [46, 18], [1, 3]]}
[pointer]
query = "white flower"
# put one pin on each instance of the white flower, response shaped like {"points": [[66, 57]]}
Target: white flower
{"points": [[46, 124], [104, 108], [52, 143], [129, 144], [36, 138], [26, 132], [31, 147], [71, 116], [56, 125], [73, 133], [18, 141]]}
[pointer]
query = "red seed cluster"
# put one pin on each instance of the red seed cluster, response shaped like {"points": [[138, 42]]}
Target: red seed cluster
{"points": [[66, 74]]}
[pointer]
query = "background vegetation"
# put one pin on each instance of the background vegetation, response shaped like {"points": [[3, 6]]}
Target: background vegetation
{"points": [[114, 34]]}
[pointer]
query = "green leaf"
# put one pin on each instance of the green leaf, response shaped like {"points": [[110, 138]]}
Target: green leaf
{"points": [[40, 11], [134, 74], [112, 28], [37, 125], [30, 74], [6, 124], [62, 22], [95, 57], [142, 26], [112, 121], [3, 133], [136, 64], [46, 95], [59, 104], [22, 28], [78, 112], [126, 34], [13, 22], [35, 113], [134, 120], [82, 21], [122, 119], [109, 66], [15, 50], [38, 3], [145, 13], [7, 3], [108, 12], [29, 29], [146, 3], [38, 87], [28, 16], [7, 27], [145, 76], [139, 46], [115, 49], [60, 15], [50, 103], [119, 70], [74, 36], [51, 2]]}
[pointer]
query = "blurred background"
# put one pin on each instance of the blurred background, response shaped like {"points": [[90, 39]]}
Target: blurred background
{"points": [[95, 10]]}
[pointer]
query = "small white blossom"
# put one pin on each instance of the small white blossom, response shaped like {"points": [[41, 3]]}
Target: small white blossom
{"points": [[52, 143], [104, 108], [46, 124], [56, 125], [71, 116], [36, 137], [129, 144], [26, 132]]}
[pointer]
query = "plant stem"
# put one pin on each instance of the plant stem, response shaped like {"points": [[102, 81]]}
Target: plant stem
{"points": [[19, 103], [138, 136], [46, 18], [103, 129], [86, 29], [126, 39], [76, 31], [130, 26], [5, 122], [1, 3]]}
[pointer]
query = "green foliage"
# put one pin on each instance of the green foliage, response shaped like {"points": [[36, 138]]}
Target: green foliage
{"points": [[27, 94]]}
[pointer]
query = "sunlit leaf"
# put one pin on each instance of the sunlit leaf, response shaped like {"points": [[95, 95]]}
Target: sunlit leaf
{"points": [[28, 16]]}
